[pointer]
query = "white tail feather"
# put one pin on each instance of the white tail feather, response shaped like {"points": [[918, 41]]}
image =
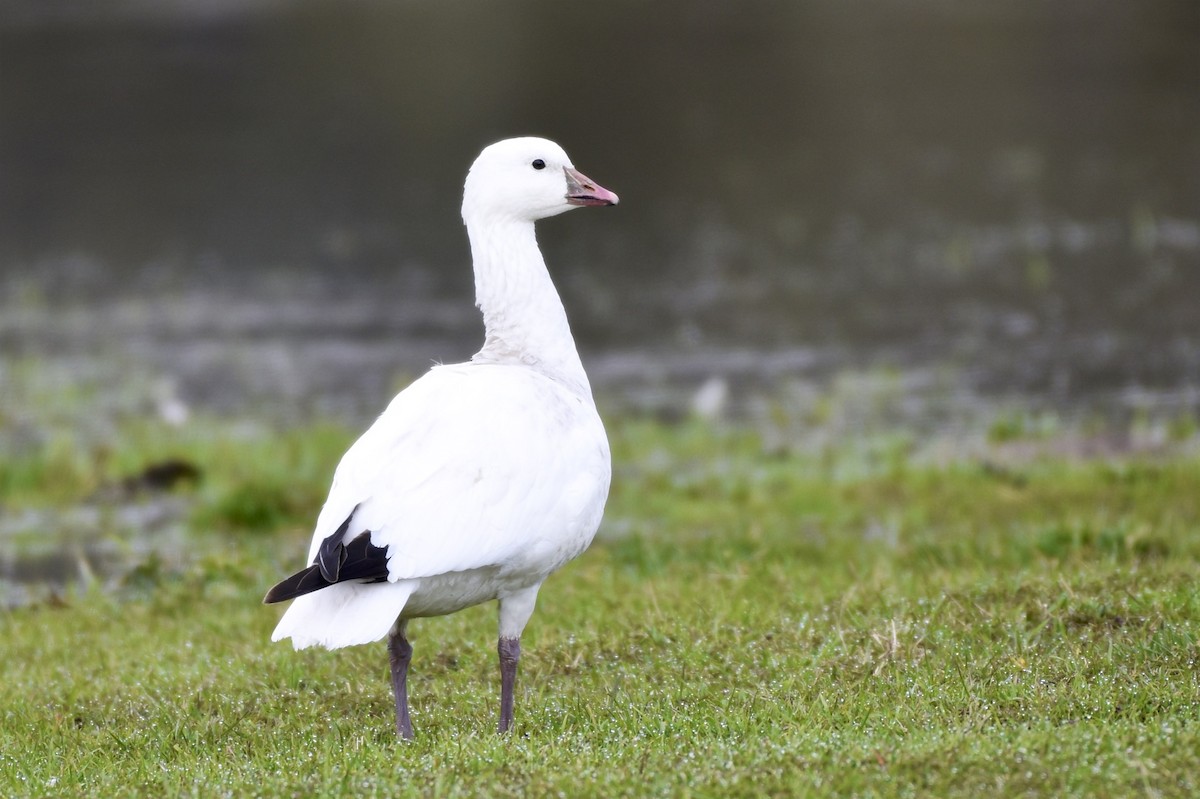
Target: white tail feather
{"points": [[344, 614]]}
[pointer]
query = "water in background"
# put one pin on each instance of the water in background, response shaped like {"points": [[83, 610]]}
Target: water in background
{"points": [[253, 206], [835, 217]]}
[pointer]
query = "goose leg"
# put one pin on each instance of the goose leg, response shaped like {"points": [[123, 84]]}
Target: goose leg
{"points": [[515, 610], [510, 653], [399, 654]]}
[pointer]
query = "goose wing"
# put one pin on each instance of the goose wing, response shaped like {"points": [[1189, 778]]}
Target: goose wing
{"points": [[471, 466]]}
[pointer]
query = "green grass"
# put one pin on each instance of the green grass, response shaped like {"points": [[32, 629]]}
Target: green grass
{"points": [[752, 623]]}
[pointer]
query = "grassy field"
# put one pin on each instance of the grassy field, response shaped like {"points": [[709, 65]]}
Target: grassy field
{"points": [[754, 621]]}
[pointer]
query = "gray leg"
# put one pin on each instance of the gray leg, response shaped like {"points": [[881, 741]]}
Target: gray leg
{"points": [[399, 654], [515, 610], [510, 653]]}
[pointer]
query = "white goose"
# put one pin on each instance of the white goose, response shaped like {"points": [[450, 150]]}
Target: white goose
{"points": [[480, 478]]}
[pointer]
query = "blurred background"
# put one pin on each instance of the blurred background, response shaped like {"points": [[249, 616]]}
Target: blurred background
{"points": [[897, 324], [251, 206]]}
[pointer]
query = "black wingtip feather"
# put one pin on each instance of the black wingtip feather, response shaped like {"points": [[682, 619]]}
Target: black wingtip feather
{"points": [[300, 583], [332, 553], [335, 563]]}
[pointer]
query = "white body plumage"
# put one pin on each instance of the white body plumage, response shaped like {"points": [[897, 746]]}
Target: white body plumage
{"points": [[481, 479]]}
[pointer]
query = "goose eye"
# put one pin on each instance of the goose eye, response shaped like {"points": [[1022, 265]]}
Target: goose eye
{"points": [[539, 164]]}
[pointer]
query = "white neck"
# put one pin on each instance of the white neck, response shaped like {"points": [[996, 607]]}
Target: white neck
{"points": [[523, 317]]}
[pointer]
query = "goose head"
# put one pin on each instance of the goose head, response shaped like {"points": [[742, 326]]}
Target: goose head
{"points": [[527, 179]]}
